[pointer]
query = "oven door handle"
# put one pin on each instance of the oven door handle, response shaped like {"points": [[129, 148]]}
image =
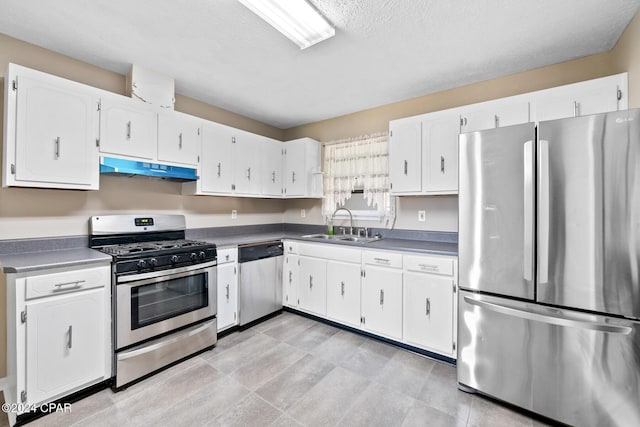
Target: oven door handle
{"points": [[154, 347], [152, 277]]}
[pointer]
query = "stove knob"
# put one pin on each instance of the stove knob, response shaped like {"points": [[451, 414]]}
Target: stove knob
{"points": [[153, 262], [201, 254], [174, 259], [141, 264], [193, 256]]}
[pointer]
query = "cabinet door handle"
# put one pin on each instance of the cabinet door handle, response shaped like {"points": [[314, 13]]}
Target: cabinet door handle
{"points": [[293, 177], [57, 147], [442, 164], [381, 296], [496, 119], [576, 108], [249, 174], [219, 169], [428, 307], [290, 276], [70, 337], [342, 288], [273, 176], [310, 282], [180, 141], [227, 292], [406, 167], [129, 130]]}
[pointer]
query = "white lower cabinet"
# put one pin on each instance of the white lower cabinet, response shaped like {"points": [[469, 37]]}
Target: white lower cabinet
{"points": [[382, 301], [290, 281], [312, 285], [227, 292], [65, 343], [58, 332], [343, 292]]}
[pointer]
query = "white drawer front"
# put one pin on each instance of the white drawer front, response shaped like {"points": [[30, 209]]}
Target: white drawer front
{"points": [[227, 255], [426, 264], [331, 251], [69, 281], [383, 259], [290, 247]]}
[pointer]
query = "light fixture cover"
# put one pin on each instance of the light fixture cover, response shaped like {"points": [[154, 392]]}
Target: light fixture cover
{"points": [[296, 19]]}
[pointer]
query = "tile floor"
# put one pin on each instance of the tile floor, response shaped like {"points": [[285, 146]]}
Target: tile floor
{"points": [[291, 371]]}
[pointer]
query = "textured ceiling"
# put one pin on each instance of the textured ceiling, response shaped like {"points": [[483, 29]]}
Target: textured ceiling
{"points": [[384, 50]]}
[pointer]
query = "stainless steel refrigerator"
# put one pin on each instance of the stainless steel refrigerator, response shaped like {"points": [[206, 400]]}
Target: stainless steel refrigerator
{"points": [[549, 256]]}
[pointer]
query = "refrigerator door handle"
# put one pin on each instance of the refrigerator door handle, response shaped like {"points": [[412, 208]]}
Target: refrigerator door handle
{"points": [[543, 212], [528, 211], [550, 319]]}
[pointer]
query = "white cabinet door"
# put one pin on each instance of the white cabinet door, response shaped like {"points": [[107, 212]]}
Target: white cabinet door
{"points": [[179, 138], [382, 301], [126, 129], [227, 295], [295, 168], [494, 114], [343, 292], [312, 285], [247, 158], [55, 135], [441, 144], [216, 168], [271, 169], [405, 157], [290, 279], [65, 343], [428, 312]]}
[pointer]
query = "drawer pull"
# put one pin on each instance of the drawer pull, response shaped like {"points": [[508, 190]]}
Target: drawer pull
{"points": [[429, 267], [382, 260], [73, 285]]}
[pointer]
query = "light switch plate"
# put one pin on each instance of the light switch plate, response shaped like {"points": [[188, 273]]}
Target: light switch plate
{"points": [[422, 216], [234, 214]]}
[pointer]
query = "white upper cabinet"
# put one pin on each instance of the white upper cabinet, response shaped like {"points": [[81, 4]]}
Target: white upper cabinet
{"points": [[302, 177], [127, 128], [272, 167], [405, 156], [51, 132], [494, 114], [440, 144], [179, 138], [247, 162], [580, 99], [216, 166]]}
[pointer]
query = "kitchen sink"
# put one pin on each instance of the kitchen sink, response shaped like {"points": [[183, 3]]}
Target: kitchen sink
{"points": [[344, 238]]}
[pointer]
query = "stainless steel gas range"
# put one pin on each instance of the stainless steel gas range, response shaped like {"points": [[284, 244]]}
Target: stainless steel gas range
{"points": [[163, 291]]}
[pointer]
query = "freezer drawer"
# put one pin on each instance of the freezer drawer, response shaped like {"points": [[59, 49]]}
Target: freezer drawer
{"points": [[577, 368]]}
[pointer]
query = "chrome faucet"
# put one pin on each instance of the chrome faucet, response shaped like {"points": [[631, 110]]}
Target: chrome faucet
{"points": [[350, 218]]}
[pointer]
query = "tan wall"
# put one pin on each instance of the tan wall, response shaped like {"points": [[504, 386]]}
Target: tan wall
{"points": [[626, 57], [26, 212]]}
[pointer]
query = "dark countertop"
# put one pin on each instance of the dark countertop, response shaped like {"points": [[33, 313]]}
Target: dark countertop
{"points": [[418, 246], [32, 261]]}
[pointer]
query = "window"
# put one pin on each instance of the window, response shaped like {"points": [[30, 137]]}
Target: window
{"points": [[356, 176]]}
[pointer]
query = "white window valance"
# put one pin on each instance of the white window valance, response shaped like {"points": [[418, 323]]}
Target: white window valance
{"points": [[360, 163]]}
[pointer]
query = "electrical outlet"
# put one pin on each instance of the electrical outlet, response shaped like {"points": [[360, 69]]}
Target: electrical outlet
{"points": [[234, 214], [422, 216], [303, 213]]}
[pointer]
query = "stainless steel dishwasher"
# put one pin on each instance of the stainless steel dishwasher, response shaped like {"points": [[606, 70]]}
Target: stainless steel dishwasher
{"points": [[260, 280]]}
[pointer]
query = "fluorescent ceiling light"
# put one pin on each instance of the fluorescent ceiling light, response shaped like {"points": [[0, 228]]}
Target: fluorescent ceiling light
{"points": [[296, 19]]}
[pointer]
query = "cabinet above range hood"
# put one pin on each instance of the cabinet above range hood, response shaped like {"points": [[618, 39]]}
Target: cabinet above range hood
{"points": [[116, 166]]}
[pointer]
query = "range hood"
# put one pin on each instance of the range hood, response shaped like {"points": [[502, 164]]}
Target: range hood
{"points": [[115, 166]]}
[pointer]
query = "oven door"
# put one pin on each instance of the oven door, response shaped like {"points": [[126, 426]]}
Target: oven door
{"points": [[151, 304]]}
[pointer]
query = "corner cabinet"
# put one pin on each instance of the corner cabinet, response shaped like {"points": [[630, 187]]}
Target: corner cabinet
{"points": [[302, 174], [58, 332], [50, 132]]}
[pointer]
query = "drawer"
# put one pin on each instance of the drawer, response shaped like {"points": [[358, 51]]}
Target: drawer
{"points": [[290, 247], [68, 281], [383, 259], [426, 264], [227, 255]]}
